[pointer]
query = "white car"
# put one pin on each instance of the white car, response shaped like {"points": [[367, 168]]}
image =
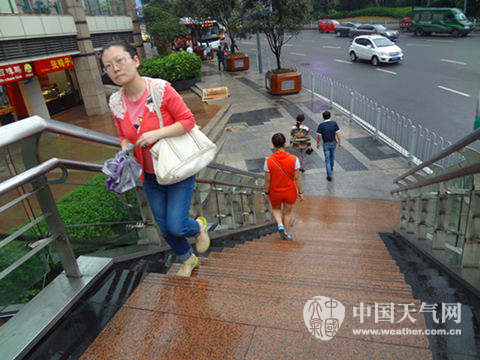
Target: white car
{"points": [[375, 48]]}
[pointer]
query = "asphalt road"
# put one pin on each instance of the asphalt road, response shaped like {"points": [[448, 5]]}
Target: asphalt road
{"points": [[436, 85]]}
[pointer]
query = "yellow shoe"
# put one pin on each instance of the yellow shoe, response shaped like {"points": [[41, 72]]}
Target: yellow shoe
{"points": [[203, 240], [188, 266]]}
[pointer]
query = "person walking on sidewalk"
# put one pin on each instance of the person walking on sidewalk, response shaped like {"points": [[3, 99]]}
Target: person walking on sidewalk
{"points": [[137, 122], [221, 58], [329, 132], [283, 184], [300, 139]]}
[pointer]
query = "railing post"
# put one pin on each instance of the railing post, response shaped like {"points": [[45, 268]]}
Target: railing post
{"points": [[48, 206], [313, 84], [377, 123], [404, 212], [352, 102], [331, 94], [471, 247], [422, 211], [413, 144]]}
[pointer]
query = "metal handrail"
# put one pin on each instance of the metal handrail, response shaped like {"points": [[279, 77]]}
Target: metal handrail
{"points": [[234, 171], [19, 130], [467, 140], [469, 170], [39, 170]]}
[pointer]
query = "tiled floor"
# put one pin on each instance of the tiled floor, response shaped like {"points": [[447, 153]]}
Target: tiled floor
{"points": [[364, 168], [247, 302]]}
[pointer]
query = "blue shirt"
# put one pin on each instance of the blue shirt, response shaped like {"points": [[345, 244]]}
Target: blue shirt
{"points": [[328, 129]]}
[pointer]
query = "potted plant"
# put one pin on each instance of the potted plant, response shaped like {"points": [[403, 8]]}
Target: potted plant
{"points": [[279, 20], [180, 68], [228, 13]]}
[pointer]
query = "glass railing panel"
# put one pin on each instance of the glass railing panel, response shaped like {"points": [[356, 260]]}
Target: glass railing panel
{"points": [[20, 285], [59, 146]]}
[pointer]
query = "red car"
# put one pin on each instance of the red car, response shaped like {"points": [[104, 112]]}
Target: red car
{"points": [[327, 25]]}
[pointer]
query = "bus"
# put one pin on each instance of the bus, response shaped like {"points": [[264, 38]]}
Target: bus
{"points": [[207, 31]]}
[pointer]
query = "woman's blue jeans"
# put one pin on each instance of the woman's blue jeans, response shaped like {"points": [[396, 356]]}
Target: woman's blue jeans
{"points": [[170, 205]]}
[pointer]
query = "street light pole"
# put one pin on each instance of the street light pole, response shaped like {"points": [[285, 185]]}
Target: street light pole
{"points": [[259, 52], [465, 7]]}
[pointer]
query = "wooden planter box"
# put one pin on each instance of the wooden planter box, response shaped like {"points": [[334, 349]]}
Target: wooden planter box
{"points": [[283, 83], [238, 62], [201, 53]]}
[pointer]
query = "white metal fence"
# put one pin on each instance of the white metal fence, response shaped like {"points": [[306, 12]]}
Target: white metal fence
{"points": [[410, 139]]}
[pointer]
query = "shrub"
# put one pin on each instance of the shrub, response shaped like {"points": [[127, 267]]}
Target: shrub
{"points": [[179, 65], [397, 13]]}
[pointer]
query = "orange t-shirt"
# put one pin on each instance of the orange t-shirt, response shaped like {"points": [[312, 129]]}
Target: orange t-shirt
{"points": [[282, 180]]}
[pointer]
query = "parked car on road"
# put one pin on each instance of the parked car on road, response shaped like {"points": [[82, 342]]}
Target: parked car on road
{"points": [[375, 48], [369, 29], [327, 25], [440, 20], [344, 28], [405, 24]]}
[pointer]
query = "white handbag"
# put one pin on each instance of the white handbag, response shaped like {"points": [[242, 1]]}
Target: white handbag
{"points": [[177, 158]]}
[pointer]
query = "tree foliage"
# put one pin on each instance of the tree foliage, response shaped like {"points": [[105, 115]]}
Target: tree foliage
{"points": [[279, 20], [162, 26]]}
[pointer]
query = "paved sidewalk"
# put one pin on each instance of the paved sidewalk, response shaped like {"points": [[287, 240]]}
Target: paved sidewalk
{"points": [[363, 167]]}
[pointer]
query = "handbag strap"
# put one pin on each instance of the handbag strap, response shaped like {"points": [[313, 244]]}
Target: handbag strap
{"points": [[283, 171], [154, 95]]}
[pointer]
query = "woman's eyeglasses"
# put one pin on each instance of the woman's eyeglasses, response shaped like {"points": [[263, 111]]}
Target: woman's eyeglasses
{"points": [[119, 62]]}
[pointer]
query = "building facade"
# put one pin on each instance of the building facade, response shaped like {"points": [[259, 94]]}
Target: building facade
{"points": [[49, 53]]}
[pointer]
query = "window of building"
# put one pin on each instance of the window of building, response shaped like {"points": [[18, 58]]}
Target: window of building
{"points": [[104, 7], [40, 7]]}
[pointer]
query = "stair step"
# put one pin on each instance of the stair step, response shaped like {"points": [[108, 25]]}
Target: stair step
{"points": [[300, 268], [319, 256], [191, 298], [364, 285]]}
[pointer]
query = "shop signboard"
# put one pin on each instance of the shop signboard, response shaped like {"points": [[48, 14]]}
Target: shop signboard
{"points": [[15, 72], [46, 66]]}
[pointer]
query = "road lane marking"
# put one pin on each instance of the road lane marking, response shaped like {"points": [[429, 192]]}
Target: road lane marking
{"points": [[247, 42], [419, 45], [444, 41], [387, 71], [343, 61], [454, 62], [288, 45], [331, 47], [298, 54], [454, 91]]}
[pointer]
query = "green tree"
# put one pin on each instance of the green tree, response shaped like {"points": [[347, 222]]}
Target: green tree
{"points": [[279, 20], [162, 26]]}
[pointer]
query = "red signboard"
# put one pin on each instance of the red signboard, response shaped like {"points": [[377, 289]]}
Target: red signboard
{"points": [[15, 72], [50, 65]]}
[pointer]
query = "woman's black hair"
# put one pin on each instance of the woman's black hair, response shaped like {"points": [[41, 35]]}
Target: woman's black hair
{"points": [[278, 140], [125, 45], [300, 118]]}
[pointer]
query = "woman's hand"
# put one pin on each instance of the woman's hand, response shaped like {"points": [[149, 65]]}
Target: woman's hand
{"points": [[300, 196], [148, 138]]}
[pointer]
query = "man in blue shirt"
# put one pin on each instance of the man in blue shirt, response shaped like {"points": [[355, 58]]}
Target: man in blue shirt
{"points": [[329, 132]]}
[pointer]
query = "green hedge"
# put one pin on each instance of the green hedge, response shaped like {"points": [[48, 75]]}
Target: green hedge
{"points": [[396, 12], [179, 65]]}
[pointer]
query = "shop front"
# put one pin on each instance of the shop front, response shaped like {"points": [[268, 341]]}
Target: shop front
{"points": [[58, 83], [12, 106]]}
